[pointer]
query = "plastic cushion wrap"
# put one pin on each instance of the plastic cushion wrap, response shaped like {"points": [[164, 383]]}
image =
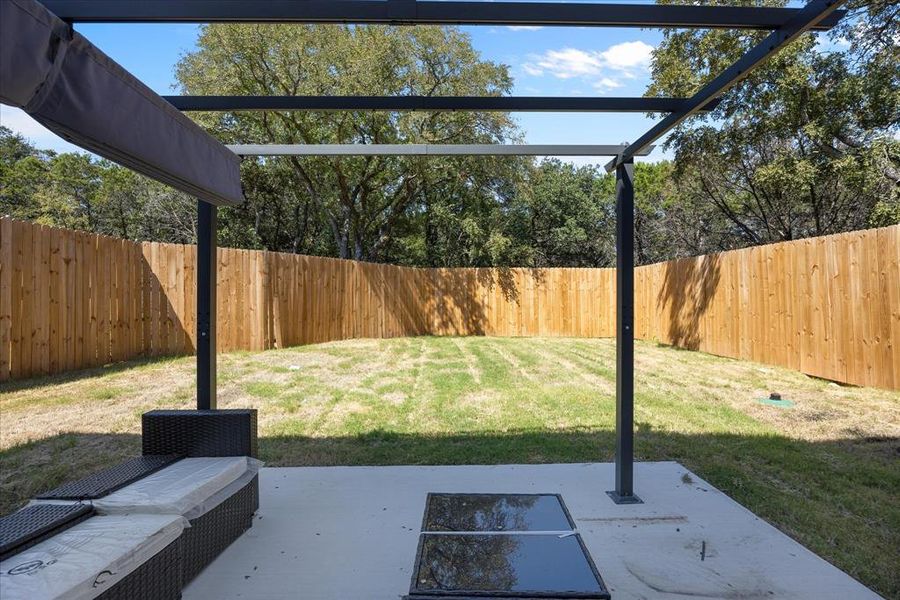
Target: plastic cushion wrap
{"points": [[88, 559], [190, 487], [222, 495]]}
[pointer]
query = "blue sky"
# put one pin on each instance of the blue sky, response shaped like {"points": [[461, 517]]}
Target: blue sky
{"points": [[559, 61], [544, 61]]}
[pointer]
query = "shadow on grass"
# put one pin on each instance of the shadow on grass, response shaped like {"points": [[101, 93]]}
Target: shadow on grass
{"points": [[838, 498], [19, 385], [41, 465]]}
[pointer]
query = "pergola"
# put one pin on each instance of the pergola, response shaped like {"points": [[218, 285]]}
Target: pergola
{"points": [[67, 84]]}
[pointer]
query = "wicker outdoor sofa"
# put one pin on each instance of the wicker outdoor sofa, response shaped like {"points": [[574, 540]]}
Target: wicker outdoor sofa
{"points": [[220, 446]]}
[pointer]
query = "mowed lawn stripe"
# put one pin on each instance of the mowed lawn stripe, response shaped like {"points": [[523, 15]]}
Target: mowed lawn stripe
{"points": [[825, 471]]}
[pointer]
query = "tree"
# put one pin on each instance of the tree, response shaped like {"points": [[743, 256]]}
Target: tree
{"points": [[564, 216], [69, 195], [462, 215], [131, 206], [805, 145], [363, 202], [22, 169], [79, 191]]}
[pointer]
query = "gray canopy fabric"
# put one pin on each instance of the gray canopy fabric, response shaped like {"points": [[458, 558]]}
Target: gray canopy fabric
{"points": [[79, 93]]}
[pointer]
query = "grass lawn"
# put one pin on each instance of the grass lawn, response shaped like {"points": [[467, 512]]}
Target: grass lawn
{"points": [[827, 471]]}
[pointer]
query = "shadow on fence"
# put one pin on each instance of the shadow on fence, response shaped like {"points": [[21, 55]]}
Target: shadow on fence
{"points": [[72, 300], [456, 310], [167, 275], [506, 280], [688, 288]]}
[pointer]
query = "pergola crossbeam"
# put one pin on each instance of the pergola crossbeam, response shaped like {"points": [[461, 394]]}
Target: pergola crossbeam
{"points": [[425, 12], [429, 103], [430, 149]]}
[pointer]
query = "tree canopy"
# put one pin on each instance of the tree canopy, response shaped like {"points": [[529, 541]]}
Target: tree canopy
{"points": [[806, 145], [79, 191], [360, 201]]}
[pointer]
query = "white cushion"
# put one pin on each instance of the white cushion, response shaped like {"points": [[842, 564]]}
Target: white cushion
{"points": [[86, 560], [190, 487]]}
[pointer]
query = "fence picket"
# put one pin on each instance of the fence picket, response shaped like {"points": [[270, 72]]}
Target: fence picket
{"points": [[6, 299], [828, 306]]}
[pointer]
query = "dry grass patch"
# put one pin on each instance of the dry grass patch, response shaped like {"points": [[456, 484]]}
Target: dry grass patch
{"points": [[826, 471]]}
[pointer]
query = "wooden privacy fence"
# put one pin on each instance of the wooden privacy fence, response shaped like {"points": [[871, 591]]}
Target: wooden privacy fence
{"points": [[826, 306]]}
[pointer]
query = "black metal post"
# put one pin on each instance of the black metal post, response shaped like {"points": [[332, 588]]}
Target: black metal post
{"points": [[207, 226], [624, 492]]}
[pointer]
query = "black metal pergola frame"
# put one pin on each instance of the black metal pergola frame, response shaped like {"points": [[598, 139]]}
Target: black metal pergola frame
{"points": [[785, 24]]}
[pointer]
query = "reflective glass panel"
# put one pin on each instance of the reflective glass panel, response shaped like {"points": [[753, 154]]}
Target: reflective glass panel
{"points": [[522, 563], [495, 512]]}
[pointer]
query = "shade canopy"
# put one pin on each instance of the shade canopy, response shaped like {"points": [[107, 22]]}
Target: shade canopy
{"points": [[78, 92]]}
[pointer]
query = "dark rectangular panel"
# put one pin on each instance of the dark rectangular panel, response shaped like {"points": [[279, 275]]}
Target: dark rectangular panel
{"points": [[496, 512], [223, 432], [107, 481], [37, 522], [510, 565], [424, 12], [429, 103]]}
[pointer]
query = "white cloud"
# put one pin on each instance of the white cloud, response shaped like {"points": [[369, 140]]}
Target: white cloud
{"points": [[606, 68], [532, 69], [524, 27], [607, 83], [19, 121], [627, 56], [565, 63]]}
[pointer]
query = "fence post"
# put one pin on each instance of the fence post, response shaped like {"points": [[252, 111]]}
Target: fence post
{"points": [[207, 226], [624, 492]]}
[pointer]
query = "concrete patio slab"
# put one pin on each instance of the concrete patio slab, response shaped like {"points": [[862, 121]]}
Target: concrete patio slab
{"points": [[351, 533]]}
